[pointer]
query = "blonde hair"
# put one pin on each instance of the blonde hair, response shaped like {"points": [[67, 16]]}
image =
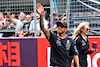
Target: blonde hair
{"points": [[78, 29], [63, 18]]}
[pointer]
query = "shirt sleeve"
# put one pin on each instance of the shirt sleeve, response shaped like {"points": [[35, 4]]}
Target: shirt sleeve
{"points": [[31, 25], [74, 50], [51, 37], [16, 21]]}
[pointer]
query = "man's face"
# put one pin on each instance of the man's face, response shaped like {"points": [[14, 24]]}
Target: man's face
{"points": [[13, 15], [28, 18], [22, 16], [36, 17], [1, 17], [61, 29], [54, 16]]}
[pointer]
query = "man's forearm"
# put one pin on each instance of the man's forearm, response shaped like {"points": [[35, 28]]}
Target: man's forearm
{"points": [[41, 23], [45, 31], [76, 59], [9, 16], [40, 10]]}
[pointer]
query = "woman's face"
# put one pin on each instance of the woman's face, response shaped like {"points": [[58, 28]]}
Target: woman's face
{"points": [[85, 30]]}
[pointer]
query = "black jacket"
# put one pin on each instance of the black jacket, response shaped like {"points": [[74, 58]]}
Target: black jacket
{"points": [[82, 46]]}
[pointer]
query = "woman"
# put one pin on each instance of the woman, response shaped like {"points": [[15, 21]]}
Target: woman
{"points": [[82, 43]]}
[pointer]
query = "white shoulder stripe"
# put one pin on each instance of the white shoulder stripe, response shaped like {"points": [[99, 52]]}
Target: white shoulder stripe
{"points": [[77, 38]]}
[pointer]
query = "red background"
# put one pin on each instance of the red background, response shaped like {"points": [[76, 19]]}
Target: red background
{"points": [[43, 43]]}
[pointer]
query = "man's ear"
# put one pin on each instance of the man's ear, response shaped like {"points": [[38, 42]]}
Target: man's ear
{"points": [[66, 29]]}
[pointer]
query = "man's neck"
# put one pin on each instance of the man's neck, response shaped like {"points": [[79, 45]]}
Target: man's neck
{"points": [[22, 20], [62, 35]]}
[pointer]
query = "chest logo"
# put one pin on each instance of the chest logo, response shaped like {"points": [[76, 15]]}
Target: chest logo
{"points": [[67, 45], [83, 43], [58, 42]]}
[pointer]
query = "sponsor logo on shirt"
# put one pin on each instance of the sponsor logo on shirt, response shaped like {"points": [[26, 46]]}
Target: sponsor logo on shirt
{"points": [[58, 42], [68, 45]]}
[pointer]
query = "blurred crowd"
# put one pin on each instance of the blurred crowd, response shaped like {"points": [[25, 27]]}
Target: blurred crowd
{"points": [[24, 25], [82, 14]]}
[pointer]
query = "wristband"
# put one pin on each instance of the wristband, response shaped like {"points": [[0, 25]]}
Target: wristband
{"points": [[78, 66]]}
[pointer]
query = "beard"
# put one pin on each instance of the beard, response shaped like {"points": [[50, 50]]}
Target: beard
{"points": [[60, 32]]}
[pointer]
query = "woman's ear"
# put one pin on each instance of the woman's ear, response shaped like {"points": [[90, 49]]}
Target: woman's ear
{"points": [[81, 29]]}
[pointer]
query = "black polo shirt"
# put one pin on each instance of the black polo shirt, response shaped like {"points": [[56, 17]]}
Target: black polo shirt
{"points": [[61, 50]]}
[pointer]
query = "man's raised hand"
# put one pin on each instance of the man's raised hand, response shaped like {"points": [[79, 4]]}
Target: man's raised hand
{"points": [[40, 9]]}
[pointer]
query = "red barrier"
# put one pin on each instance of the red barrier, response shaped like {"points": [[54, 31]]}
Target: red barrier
{"points": [[43, 44], [95, 57], [25, 52], [42, 52]]}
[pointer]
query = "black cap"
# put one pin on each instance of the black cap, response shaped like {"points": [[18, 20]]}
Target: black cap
{"points": [[62, 22]]}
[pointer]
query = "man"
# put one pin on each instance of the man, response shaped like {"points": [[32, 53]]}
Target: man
{"points": [[62, 47], [32, 25], [28, 20], [2, 23], [55, 19], [26, 26], [19, 22]]}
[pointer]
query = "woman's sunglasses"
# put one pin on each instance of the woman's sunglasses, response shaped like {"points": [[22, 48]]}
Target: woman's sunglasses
{"points": [[87, 29]]}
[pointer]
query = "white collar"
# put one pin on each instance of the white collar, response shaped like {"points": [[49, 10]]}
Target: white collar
{"points": [[62, 37], [85, 38]]}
